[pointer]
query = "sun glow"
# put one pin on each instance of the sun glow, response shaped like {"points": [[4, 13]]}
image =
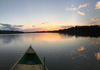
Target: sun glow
{"points": [[45, 37]]}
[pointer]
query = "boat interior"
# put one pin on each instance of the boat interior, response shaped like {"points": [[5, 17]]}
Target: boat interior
{"points": [[30, 59]]}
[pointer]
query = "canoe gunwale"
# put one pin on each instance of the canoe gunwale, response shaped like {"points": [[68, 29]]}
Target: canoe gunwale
{"points": [[18, 61], [28, 53]]}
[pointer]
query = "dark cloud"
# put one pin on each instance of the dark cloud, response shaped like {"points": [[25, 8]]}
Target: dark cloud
{"points": [[94, 23], [33, 26], [34, 29], [66, 26], [39, 24], [10, 27], [45, 23], [96, 18], [18, 25], [91, 22]]}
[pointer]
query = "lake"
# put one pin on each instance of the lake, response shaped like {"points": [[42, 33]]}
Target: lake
{"points": [[62, 51]]}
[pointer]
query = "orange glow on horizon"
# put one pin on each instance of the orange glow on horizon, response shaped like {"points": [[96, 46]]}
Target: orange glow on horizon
{"points": [[44, 27], [32, 29]]}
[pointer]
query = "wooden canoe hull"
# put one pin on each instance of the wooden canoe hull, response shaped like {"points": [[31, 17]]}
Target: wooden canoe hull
{"points": [[29, 61]]}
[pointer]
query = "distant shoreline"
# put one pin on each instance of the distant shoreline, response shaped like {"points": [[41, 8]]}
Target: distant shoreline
{"points": [[92, 31], [10, 32]]}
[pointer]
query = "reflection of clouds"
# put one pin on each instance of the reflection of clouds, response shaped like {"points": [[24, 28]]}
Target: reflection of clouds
{"points": [[77, 54], [7, 38], [97, 55], [95, 43], [81, 48], [93, 39], [83, 55]]}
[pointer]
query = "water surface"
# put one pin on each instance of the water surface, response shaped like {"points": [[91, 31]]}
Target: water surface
{"points": [[62, 51]]}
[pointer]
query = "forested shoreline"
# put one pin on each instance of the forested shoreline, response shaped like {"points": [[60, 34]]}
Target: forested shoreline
{"points": [[9, 32]]}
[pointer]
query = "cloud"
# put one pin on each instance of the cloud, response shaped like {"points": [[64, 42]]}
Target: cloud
{"points": [[94, 23], [71, 9], [40, 24], [98, 22], [80, 6], [10, 27], [97, 5], [96, 19], [33, 26], [45, 22], [18, 26], [66, 26], [34, 29], [80, 12]]}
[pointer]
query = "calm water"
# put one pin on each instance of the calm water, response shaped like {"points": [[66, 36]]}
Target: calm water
{"points": [[62, 52]]}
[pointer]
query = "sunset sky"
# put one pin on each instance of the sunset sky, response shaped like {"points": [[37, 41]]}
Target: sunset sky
{"points": [[43, 15]]}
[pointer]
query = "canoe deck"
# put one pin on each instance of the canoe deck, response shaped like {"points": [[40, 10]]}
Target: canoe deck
{"points": [[28, 67]]}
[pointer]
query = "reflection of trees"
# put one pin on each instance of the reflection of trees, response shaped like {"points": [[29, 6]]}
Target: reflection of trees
{"points": [[64, 35], [7, 38]]}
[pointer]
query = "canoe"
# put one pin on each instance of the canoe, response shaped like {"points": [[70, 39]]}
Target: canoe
{"points": [[29, 61]]}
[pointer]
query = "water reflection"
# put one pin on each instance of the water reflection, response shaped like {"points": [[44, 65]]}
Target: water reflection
{"points": [[7, 38], [81, 48], [94, 39], [85, 35], [61, 51], [95, 43], [83, 55], [78, 54], [97, 55], [46, 37]]}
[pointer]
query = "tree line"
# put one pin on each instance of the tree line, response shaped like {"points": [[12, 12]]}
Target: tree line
{"points": [[93, 30], [9, 32]]}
